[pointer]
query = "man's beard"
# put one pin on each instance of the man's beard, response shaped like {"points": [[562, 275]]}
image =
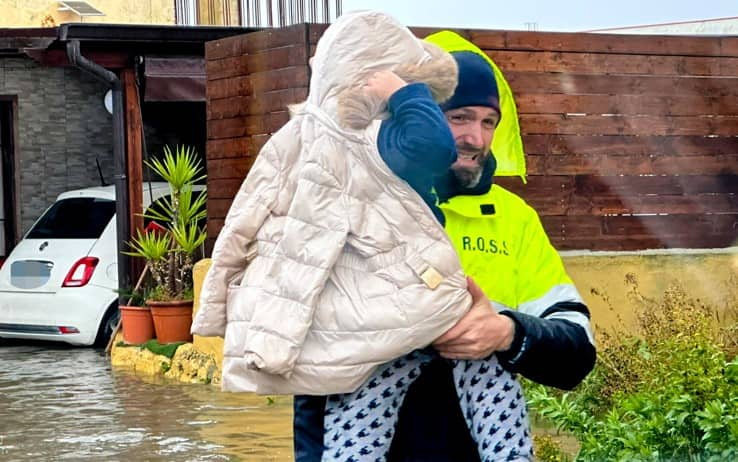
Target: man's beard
{"points": [[467, 175]]}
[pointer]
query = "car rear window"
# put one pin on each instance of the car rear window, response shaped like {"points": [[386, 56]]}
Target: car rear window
{"points": [[76, 218]]}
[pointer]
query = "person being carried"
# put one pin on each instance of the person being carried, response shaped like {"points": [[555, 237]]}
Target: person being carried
{"points": [[324, 251]]}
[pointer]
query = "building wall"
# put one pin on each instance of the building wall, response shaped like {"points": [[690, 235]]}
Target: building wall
{"points": [[618, 286], [62, 127], [41, 13]]}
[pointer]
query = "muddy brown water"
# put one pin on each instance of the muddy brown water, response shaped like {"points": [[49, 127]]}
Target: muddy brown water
{"points": [[62, 403]]}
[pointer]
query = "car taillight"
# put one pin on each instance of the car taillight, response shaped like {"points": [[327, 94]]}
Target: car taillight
{"points": [[81, 272], [2, 261]]}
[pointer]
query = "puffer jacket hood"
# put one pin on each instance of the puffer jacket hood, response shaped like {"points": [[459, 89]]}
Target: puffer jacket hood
{"points": [[328, 264], [347, 54]]}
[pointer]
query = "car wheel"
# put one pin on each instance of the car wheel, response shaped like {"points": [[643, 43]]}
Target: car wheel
{"points": [[107, 326]]}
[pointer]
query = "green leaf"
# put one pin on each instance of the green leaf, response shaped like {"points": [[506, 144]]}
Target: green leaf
{"points": [[152, 246]]}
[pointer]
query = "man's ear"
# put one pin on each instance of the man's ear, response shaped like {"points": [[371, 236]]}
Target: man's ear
{"points": [[439, 72]]}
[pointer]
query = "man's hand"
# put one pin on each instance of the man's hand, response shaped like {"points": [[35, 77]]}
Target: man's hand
{"points": [[383, 84], [481, 331]]}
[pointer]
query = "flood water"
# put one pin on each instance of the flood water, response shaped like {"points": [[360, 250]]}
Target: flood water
{"points": [[63, 403]]}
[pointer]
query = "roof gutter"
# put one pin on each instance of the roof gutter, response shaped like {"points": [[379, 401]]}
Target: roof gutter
{"points": [[121, 181]]}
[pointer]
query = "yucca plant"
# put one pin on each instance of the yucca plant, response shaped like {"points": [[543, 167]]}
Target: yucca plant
{"points": [[171, 254]]}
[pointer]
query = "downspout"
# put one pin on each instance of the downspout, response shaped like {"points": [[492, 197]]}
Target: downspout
{"points": [[119, 157]]}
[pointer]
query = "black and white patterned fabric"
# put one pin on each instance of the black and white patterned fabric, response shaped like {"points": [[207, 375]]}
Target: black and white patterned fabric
{"points": [[359, 426]]}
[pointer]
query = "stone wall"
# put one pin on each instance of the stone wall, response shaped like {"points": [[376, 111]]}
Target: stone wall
{"points": [[62, 126]]}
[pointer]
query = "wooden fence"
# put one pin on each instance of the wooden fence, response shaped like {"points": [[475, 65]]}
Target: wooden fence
{"points": [[631, 141]]}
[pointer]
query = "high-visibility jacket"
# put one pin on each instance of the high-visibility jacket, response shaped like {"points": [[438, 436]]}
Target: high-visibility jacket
{"points": [[504, 247]]}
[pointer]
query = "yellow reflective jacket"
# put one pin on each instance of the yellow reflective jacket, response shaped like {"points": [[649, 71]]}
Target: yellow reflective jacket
{"points": [[504, 248], [502, 244]]}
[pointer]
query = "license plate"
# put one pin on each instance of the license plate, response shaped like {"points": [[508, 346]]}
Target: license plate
{"points": [[30, 274]]}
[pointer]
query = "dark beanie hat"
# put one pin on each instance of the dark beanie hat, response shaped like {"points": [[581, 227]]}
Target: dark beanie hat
{"points": [[477, 85]]}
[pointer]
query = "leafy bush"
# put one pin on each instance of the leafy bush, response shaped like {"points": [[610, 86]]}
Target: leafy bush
{"points": [[666, 391]]}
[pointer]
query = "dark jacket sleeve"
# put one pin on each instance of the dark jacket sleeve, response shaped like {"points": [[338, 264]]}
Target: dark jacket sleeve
{"points": [[550, 349], [416, 141]]}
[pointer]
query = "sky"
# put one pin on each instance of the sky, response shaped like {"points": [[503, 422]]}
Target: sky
{"points": [[548, 15]]}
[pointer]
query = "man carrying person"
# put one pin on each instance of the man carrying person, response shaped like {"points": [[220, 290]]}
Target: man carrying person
{"points": [[535, 321]]}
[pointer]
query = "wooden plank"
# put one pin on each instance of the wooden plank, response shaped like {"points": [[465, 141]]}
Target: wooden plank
{"points": [[258, 82], [276, 58], [641, 232], [315, 31], [673, 105], [665, 226], [268, 39], [209, 244], [229, 147], [232, 66], [235, 147], [225, 88], [629, 185], [567, 202], [272, 101], [262, 82], [635, 165], [620, 243], [599, 63], [619, 145], [229, 168], [223, 48], [695, 204], [215, 224], [591, 124], [577, 84], [219, 207], [247, 125], [606, 43], [224, 188]]}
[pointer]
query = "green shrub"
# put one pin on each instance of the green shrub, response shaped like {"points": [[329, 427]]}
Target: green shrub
{"points": [[666, 391]]}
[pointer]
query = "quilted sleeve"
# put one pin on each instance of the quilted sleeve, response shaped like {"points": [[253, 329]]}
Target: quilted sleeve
{"points": [[314, 235], [250, 208]]}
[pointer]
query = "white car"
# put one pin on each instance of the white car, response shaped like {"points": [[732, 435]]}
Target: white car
{"points": [[59, 283]]}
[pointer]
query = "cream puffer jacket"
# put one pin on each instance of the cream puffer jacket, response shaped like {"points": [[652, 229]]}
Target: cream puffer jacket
{"points": [[328, 264]]}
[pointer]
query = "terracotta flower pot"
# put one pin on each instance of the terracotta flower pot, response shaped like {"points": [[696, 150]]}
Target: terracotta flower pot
{"points": [[138, 326], [172, 320]]}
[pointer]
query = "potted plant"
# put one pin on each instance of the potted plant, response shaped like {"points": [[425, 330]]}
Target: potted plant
{"points": [[171, 253], [136, 320]]}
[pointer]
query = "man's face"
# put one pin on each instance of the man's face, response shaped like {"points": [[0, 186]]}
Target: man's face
{"points": [[473, 128]]}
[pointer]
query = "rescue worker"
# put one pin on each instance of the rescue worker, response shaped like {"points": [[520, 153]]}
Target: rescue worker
{"points": [[533, 318]]}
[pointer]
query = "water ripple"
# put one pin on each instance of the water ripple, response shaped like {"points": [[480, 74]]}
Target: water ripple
{"points": [[64, 403]]}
